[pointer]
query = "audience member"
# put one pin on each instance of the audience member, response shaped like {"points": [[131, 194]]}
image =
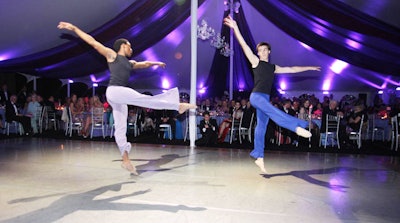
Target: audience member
{"points": [[12, 114], [208, 128]]}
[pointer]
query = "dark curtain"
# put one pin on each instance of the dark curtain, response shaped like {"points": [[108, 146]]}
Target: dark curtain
{"points": [[337, 30], [144, 23], [218, 79]]}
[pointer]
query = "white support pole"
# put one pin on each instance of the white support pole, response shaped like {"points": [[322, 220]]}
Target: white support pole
{"points": [[231, 55], [68, 89], [34, 84], [193, 72]]}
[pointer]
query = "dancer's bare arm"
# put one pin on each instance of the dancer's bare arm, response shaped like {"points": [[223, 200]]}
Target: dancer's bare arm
{"points": [[254, 60], [295, 69], [108, 53], [146, 64]]}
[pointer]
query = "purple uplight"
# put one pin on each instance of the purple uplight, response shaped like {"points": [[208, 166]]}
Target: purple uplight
{"points": [[326, 86], [338, 66], [283, 85], [202, 91], [241, 85], [281, 91], [5, 56], [70, 81], [165, 83], [93, 78]]}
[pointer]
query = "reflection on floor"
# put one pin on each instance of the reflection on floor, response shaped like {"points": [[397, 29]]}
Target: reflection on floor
{"points": [[57, 180]]}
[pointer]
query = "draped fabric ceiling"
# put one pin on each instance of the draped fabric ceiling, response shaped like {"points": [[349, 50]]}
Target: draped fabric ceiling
{"points": [[331, 27]]}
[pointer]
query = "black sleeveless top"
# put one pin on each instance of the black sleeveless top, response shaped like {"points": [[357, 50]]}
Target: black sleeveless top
{"points": [[264, 75], [120, 71]]}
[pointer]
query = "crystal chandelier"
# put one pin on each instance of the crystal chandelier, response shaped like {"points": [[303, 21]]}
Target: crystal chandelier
{"points": [[226, 50], [204, 32], [235, 5], [218, 41]]}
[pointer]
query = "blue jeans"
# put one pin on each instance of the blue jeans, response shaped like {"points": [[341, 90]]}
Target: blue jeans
{"points": [[265, 111]]}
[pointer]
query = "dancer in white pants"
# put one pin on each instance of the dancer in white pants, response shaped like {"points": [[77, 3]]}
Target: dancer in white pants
{"points": [[119, 95]]}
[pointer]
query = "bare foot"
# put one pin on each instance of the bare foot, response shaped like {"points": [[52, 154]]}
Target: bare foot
{"points": [[130, 168], [185, 106], [303, 132], [260, 163]]}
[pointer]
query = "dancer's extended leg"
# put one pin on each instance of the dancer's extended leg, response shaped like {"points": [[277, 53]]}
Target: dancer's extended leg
{"points": [[294, 124]]}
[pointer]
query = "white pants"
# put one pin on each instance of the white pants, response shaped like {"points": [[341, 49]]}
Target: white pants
{"points": [[120, 97]]}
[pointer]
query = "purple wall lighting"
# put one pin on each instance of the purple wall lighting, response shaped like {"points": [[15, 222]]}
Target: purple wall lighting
{"points": [[150, 55], [363, 80], [202, 90], [353, 40], [93, 78], [320, 30], [175, 38], [283, 84], [242, 85], [338, 66], [306, 46], [165, 83], [326, 86], [6, 56], [353, 44], [160, 13]]}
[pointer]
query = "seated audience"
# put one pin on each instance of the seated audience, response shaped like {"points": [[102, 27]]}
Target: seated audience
{"points": [[226, 124], [165, 117], [12, 114], [33, 112], [208, 128]]}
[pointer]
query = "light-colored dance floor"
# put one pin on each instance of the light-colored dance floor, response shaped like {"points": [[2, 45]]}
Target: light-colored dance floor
{"points": [[52, 180]]}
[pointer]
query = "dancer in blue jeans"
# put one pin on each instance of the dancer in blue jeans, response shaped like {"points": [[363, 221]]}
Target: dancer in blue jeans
{"points": [[264, 74]]}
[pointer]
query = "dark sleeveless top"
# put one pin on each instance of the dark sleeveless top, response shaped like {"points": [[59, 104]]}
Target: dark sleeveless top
{"points": [[120, 71], [264, 75]]}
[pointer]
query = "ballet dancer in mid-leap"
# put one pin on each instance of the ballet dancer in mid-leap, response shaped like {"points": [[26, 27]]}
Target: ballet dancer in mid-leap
{"points": [[119, 96], [264, 74]]}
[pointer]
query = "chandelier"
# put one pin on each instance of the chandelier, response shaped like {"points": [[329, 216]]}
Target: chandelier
{"points": [[235, 5], [205, 32]]}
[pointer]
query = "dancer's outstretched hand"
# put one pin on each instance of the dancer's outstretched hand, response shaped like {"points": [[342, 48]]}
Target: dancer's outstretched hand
{"points": [[316, 68], [65, 25], [162, 64], [230, 22]]}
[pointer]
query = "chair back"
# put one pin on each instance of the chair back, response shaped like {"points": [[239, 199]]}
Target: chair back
{"points": [[332, 123], [97, 116], [252, 121]]}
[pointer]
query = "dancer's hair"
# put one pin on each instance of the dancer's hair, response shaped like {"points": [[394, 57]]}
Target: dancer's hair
{"points": [[118, 43], [263, 44]]}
